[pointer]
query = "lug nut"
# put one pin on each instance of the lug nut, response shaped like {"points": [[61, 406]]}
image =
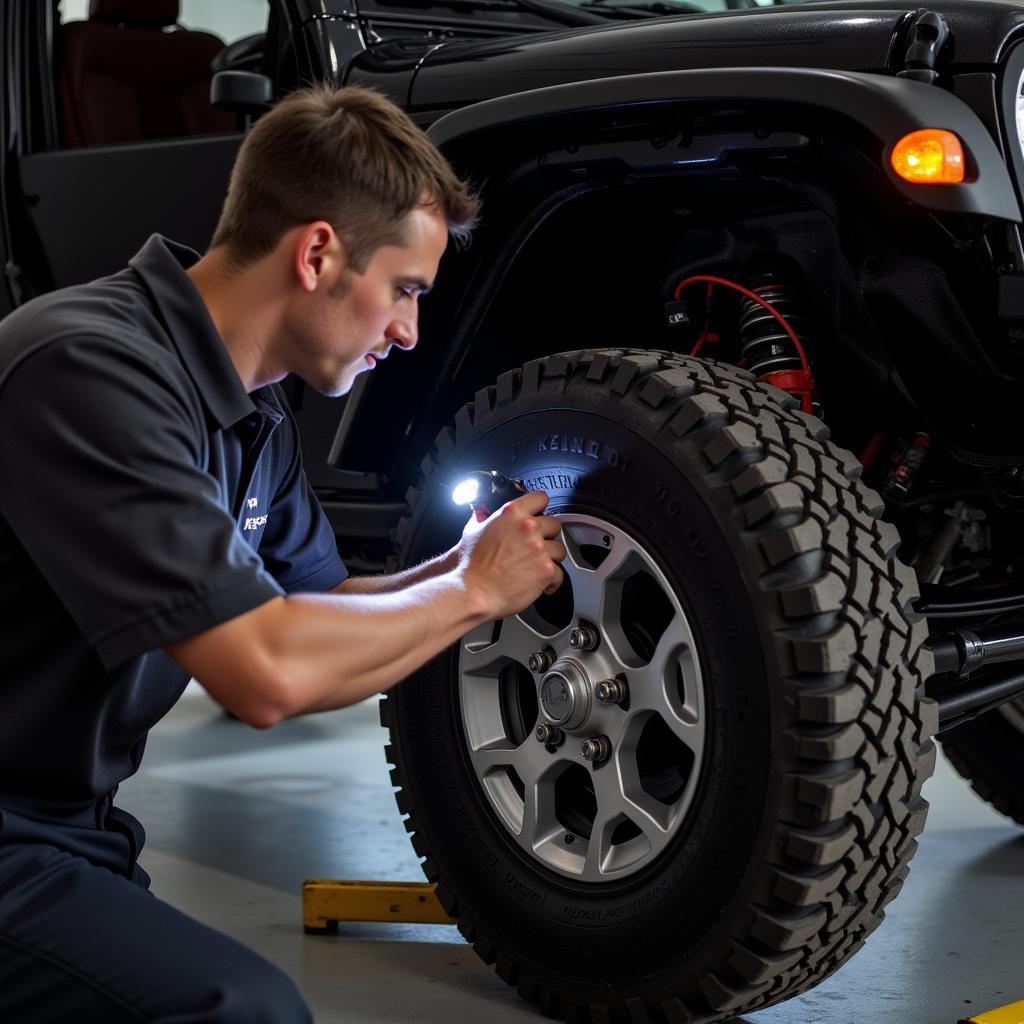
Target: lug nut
{"points": [[541, 661], [583, 638], [610, 691], [550, 735], [596, 749]]}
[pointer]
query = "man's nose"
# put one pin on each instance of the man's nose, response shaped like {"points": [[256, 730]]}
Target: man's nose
{"points": [[403, 332]]}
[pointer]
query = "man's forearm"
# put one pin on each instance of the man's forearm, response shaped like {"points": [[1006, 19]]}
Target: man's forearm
{"points": [[315, 652], [391, 583], [338, 649]]}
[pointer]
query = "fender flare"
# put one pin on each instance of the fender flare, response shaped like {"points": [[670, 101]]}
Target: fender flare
{"points": [[888, 107]]}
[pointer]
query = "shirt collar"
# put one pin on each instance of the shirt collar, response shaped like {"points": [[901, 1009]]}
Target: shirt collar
{"points": [[161, 264]]}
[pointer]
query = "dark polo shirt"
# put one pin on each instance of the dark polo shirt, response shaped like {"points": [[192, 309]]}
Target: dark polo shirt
{"points": [[144, 497]]}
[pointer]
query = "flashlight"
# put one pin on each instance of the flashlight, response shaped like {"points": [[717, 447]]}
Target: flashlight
{"points": [[486, 490]]}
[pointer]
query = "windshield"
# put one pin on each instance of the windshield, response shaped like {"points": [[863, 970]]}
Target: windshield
{"points": [[700, 6]]}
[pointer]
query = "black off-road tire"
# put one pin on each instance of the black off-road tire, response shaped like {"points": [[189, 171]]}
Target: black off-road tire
{"points": [[989, 754], [819, 737]]}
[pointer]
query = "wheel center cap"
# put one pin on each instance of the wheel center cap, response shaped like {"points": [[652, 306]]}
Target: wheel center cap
{"points": [[565, 694]]}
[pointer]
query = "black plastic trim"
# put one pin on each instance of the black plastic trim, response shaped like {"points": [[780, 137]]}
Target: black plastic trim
{"points": [[363, 520], [888, 107]]}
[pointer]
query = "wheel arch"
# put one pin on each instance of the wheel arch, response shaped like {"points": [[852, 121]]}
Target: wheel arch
{"points": [[888, 107]]}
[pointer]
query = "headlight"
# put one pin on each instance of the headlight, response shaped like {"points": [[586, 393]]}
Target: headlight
{"points": [[1020, 111]]}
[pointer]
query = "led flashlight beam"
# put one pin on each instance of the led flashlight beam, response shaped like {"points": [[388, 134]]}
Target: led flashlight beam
{"points": [[485, 491]]}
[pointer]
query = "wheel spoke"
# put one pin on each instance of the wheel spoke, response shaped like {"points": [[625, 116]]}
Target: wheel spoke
{"points": [[598, 848], [539, 821], [582, 541], [608, 792], [520, 781], [611, 805], [530, 759], [533, 812], [618, 799], [653, 820], [615, 725], [617, 794], [669, 685], [676, 735], [589, 581], [688, 732], [487, 648], [586, 590], [621, 550]]}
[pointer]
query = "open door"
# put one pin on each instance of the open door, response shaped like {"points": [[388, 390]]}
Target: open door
{"points": [[121, 140]]}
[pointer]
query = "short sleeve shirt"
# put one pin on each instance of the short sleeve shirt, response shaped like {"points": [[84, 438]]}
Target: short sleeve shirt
{"points": [[144, 497]]}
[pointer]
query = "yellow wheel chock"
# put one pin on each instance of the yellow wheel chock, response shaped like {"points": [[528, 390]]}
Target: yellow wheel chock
{"points": [[326, 901], [1012, 1013]]}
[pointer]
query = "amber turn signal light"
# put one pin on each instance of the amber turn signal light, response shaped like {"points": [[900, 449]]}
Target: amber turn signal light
{"points": [[929, 156]]}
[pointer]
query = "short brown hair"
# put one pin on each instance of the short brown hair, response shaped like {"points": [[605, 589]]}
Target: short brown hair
{"points": [[348, 156]]}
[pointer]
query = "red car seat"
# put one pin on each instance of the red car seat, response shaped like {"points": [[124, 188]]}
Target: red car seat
{"points": [[123, 79]]}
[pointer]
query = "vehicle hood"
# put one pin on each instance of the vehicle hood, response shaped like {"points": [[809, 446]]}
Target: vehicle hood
{"points": [[850, 36]]}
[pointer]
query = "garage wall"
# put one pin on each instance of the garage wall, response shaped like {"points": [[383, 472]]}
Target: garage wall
{"points": [[229, 19]]}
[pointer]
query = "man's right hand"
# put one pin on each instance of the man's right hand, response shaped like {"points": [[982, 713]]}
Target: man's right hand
{"points": [[513, 557]]}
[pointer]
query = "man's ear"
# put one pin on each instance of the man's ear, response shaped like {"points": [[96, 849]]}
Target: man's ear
{"points": [[319, 255]]}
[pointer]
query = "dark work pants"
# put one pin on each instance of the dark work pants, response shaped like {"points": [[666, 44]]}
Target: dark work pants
{"points": [[83, 941]]}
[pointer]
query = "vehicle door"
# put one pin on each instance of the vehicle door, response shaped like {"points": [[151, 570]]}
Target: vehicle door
{"points": [[94, 163]]}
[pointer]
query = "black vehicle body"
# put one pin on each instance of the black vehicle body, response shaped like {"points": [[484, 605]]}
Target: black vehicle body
{"points": [[769, 70], [619, 156]]}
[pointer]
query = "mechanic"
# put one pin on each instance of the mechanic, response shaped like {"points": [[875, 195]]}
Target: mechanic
{"points": [[155, 524]]}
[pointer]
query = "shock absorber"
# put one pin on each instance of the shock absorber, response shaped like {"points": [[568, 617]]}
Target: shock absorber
{"points": [[772, 352], [771, 344]]}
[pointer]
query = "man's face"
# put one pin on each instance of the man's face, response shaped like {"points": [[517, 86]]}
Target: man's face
{"points": [[345, 327]]}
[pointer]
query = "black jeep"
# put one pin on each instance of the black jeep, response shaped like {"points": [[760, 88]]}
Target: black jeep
{"points": [[747, 301]]}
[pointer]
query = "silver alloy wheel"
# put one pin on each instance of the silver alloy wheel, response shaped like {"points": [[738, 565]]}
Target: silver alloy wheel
{"points": [[592, 820]]}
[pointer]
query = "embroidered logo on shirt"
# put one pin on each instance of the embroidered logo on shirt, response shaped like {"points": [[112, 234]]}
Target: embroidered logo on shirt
{"points": [[253, 522]]}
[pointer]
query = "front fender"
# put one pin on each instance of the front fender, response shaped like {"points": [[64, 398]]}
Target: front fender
{"points": [[885, 106]]}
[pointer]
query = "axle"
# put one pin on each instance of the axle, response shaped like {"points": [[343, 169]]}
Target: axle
{"points": [[961, 652]]}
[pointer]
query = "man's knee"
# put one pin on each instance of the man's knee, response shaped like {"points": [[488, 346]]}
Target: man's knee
{"points": [[264, 996]]}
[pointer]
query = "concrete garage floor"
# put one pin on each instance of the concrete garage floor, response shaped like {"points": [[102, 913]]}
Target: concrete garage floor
{"points": [[237, 819]]}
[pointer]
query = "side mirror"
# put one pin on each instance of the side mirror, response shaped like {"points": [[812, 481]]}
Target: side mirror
{"points": [[245, 54], [241, 92]]}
